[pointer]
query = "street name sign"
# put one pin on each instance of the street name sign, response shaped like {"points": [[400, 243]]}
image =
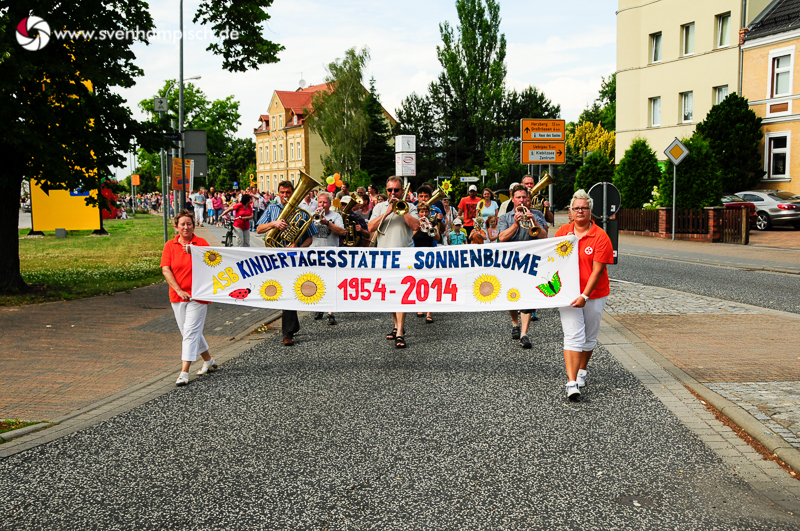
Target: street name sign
{"points": [[543, 153], [538, 129], [175, 137], [469, 179]]}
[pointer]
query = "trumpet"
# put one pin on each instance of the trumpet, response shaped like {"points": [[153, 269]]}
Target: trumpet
{"points": [[400, 208], [425, 224], [317, 217], [526, 223]]}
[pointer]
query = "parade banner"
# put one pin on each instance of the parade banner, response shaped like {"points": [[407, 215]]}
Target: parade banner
{"points": [[464, 278]]}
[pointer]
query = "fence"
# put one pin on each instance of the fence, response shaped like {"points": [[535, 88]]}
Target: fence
{"points": [[639, 220], [736, 226], [691, 222]]}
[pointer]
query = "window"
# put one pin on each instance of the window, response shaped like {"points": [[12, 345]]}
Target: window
{"points": [[686, 106], [261, 155], [720, 93], [291, 151], [781, 75], [274, 153], [687, 39], [655, 112], [295, 119], [776, 159], [723, 30], [266, 153], [281, 153], [655, 47], [299, 156]]}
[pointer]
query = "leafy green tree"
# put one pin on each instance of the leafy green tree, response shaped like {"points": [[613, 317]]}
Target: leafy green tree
{"points": [[603, 110], [597, 168], [564, 175], [698, 182], [734, 134], [415, 116], [339, 115], [64, 121], [377, 157], [529, 103], [503, 158], [638, 172]]}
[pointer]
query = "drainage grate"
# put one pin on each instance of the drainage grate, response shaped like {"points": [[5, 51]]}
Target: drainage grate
{"points": [[635, 501]]}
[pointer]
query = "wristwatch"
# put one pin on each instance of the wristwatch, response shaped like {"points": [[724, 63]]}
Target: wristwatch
{"points": [[585, 297]]}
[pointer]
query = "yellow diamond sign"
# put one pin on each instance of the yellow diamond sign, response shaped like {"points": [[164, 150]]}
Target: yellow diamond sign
{"points": [[676, 152]]}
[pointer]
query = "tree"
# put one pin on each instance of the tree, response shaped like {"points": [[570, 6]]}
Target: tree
{"points": [[604, 109], [415, 116], [698, 183], [503, 158], [64, 123], [530, 103], [597, 168], [591, 137], [734, 135], [377, 157], [339, 116], [638, 172]]}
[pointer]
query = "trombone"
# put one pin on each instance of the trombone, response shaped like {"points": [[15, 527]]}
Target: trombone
{"points": [[400, 208]]}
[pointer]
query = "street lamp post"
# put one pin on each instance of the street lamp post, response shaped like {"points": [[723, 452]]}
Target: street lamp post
{"points": [[455, 168]]}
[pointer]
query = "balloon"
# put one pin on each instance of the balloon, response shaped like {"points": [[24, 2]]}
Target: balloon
{"points": [[339, 184], [330, 180], [337, 176], [331, 188]]}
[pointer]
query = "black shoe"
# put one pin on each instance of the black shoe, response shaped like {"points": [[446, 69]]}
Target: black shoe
{"points": [[331, 319], [534, 318], [525, 342], [515, 332], [318, 316]]}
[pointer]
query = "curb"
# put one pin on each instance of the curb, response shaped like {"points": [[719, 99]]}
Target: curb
{"points": [[14, 434], [714, 264], [775, 444]]}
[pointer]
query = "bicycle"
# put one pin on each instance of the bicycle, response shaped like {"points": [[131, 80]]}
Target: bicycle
{"points": [[227, 240]]}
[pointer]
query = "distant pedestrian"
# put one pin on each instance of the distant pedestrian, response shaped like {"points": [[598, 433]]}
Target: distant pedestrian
{"points": [[581, 319], [242, 215], [176, 265]]}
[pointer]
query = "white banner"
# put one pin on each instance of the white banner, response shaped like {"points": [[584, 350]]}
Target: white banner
{"points": [[464, 278]]}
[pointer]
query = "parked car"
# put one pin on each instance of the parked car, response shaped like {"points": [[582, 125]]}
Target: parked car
{"points": [[774, 207], [733, 201], [26, 206]]}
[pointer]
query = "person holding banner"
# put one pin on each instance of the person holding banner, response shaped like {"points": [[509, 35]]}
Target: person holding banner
{"points": [[176, 266], [290, 324], [511, 229], [581, 320], [394, 230]]}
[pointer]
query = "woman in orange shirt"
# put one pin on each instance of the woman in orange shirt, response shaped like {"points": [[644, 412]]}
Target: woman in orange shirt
{"points": [[176, 265], [581, 320]]}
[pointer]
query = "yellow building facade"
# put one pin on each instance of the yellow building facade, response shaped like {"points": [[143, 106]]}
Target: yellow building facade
{"points": [[773, 91], [675, 59]]}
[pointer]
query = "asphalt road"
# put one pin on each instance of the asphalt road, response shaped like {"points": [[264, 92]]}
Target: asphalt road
{"points": [[462, 430], [778, 291]]}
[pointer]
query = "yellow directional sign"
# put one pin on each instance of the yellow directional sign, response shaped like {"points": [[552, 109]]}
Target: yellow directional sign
{"points": [[543, 153], [62, 209]]}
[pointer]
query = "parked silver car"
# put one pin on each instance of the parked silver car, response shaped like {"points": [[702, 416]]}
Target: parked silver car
{"points": [[774, 207]]}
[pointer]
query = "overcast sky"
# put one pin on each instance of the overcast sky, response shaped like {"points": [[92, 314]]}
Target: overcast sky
{"points": [[563, 48]]}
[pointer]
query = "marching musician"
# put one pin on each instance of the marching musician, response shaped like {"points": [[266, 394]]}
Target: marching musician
{"points": [[394, 231], [290, 324], [510, 228], [358, 217], [427, 235], [330, 228], [529, 183]]}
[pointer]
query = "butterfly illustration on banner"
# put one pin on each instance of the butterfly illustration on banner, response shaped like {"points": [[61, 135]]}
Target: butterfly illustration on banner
{"points": [[551, 288]]}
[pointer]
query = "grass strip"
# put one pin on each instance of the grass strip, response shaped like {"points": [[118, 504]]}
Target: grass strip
{"points": [[14, 424], [82, 265]]}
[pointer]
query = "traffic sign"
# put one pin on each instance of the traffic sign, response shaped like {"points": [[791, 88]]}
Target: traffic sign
{"points": [[612, 203], [405, 164], [160, 104], [542, 130], [676, 152], [469, 179], [175, 137], [543, 153]]}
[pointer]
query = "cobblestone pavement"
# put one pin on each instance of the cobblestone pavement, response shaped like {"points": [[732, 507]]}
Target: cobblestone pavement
{"points": [[753, 370]]}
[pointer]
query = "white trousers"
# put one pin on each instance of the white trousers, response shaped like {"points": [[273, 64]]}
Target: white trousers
{"points": [[191, 318], [198, 214], [581, 325]]}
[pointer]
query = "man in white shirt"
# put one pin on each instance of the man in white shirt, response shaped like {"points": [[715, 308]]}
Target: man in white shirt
{"points": [[309, 204], [329, 228], [397, 231], [199, 204]]}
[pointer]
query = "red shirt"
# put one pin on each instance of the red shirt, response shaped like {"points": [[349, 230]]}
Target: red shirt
{"points": [[239, 210], [595, 246], [470, 208], [180, 263]]}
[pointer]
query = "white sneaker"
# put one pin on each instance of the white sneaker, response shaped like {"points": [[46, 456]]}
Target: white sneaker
{"points": [[573, 393], [183, 379], [582, 378], [209, 365]]}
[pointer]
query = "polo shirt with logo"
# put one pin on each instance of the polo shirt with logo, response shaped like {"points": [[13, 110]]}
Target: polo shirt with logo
{"points": [[594, 246], [180, 263]]}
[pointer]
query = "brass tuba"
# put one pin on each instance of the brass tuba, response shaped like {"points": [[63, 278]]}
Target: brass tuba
{"points": [[297, 218], [351, 238], [537, 199]]}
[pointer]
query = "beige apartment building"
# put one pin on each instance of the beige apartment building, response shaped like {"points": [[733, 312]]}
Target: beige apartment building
{"points": [[675, 59], [770, 45], [285, 145]]}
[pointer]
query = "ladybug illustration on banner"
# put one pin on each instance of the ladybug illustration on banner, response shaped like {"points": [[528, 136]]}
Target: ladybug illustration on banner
{"points": [[240, 294]]}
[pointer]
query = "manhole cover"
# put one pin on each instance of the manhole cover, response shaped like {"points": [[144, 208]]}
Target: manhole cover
{"points": [[636, 501]]}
